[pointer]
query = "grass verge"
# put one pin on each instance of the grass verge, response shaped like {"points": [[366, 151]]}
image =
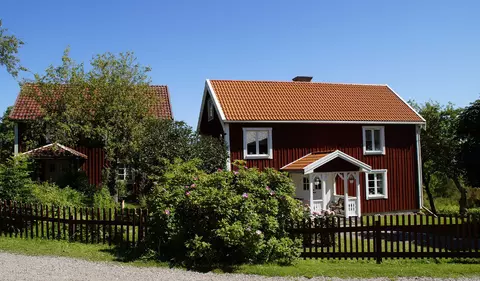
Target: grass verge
{"points": [[307, 268]]}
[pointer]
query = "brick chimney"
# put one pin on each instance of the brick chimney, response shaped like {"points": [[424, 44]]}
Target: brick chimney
{"points": [[302, 79]]}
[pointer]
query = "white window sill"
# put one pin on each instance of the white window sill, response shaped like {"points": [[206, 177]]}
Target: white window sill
{"points": [[376, 197], [374, 152], [257, 156]]}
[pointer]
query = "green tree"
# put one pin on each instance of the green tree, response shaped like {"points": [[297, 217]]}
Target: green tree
{"points": [[161, 142], [469, 133], [9, 45], [440, 148], [15, 180], [105, 105], [6, 136]]}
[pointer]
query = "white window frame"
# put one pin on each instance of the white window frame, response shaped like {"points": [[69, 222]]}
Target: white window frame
{"points": [[210, 110], [382, 140], [269, 155], [385, 185], [122, 176]]}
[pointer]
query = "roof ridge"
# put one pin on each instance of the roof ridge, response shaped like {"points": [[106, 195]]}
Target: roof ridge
{"points": [[300, 82]]}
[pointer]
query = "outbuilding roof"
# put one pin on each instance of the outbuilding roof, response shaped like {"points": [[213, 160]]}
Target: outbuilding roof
{"points": [[26, 108]]}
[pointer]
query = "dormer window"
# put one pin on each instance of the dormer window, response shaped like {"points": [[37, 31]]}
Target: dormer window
{"points": [[373, 140], [210, 110], [257, 143]]}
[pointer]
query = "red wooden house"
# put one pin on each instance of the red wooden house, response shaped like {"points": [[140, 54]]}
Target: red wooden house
{"points": [[350, 147], [56, 158]]}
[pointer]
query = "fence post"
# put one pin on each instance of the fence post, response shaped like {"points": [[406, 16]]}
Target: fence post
{"points": [[71, 229], [378, 242]]}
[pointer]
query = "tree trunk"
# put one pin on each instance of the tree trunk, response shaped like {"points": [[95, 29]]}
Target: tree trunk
{"points": [[463, 196], [430, 195]]}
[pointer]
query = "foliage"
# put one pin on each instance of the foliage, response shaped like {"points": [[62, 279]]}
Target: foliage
{"points": [[223, 218], [212, 151], [163, 141], [441, 147], [104, 105], [50, 194], [15, 181], [7, 136], [9, 45], [103, 200], [469, 133]]}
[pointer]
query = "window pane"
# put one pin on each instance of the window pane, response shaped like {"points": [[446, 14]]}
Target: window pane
{"points": [[371, 191], [376, 140], [251, 142], [368, 138], [380, 190], [371, 177], [263, 142]]}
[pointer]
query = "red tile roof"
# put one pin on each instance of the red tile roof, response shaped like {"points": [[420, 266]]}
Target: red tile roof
{"points": [[301, 163], [25, 108], [310, 101]]}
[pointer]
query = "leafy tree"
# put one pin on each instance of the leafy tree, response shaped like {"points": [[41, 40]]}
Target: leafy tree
{"points": [[469, 133], [15, 180], [440, 148], [9, 45], [163, 141], [105, 105], [6, 136]]}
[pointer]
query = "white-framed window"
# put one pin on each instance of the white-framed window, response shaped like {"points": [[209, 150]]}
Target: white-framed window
{"points": [[373, 140], [210, 110], [257, 143], [376, 184], [122, 172], [306, 184]]}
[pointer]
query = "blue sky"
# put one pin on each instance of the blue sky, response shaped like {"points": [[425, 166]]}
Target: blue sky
{"points": [[422, 49]]}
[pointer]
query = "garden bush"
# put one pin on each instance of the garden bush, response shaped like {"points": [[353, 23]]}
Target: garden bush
{"points": [[50, 194], [103, 200], [222, 219], [15, 179]]}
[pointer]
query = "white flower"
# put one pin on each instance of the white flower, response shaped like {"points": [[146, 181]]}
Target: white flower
{"points": [[258, 232]]}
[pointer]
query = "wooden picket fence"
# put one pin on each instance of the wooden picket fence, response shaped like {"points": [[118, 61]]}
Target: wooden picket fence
{"points": [[125, 227], [390, 236]]}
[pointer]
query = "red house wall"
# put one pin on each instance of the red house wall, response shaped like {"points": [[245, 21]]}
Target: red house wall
{"points": [[292, 141]]}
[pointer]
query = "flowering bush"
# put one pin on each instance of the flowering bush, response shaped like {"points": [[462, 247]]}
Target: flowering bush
{"points": [[223, 218], [321, 219]]}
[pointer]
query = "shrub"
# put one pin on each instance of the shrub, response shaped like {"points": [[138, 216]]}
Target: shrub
{"points": [[103, 199], [223, 218], [15, 179], [50, 194]]}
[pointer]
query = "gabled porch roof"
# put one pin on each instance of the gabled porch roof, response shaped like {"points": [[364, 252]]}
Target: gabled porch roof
{"points": [[54, 151], [330, 161]]}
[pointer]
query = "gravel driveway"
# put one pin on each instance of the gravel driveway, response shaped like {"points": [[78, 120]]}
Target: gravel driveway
{"points": [[20, 267]]}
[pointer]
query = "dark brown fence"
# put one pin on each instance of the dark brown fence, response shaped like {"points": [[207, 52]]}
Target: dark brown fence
{"points": [[126, 227], [396, 236]]}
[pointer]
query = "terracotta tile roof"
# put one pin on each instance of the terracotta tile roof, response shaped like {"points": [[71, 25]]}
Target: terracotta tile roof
{"points": [[25, 108], [310, 101], [301, 163], [54, 150]]}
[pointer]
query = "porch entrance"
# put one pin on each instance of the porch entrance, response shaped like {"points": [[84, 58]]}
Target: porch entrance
{"points": [[329, 181]]}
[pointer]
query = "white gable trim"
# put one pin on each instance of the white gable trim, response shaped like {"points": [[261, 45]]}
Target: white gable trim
{"points": [[336, 154], [398, 96], [218, 109]]}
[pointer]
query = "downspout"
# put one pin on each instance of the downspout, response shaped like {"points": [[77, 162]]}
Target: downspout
{"points": [[15, 141], [419, 164], [227, 144]]}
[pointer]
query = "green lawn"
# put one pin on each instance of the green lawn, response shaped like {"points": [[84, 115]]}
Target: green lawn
{"points": [[307, 268]]}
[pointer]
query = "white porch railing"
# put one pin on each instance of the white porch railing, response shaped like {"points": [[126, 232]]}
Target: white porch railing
{"points": [[317, 205]]}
